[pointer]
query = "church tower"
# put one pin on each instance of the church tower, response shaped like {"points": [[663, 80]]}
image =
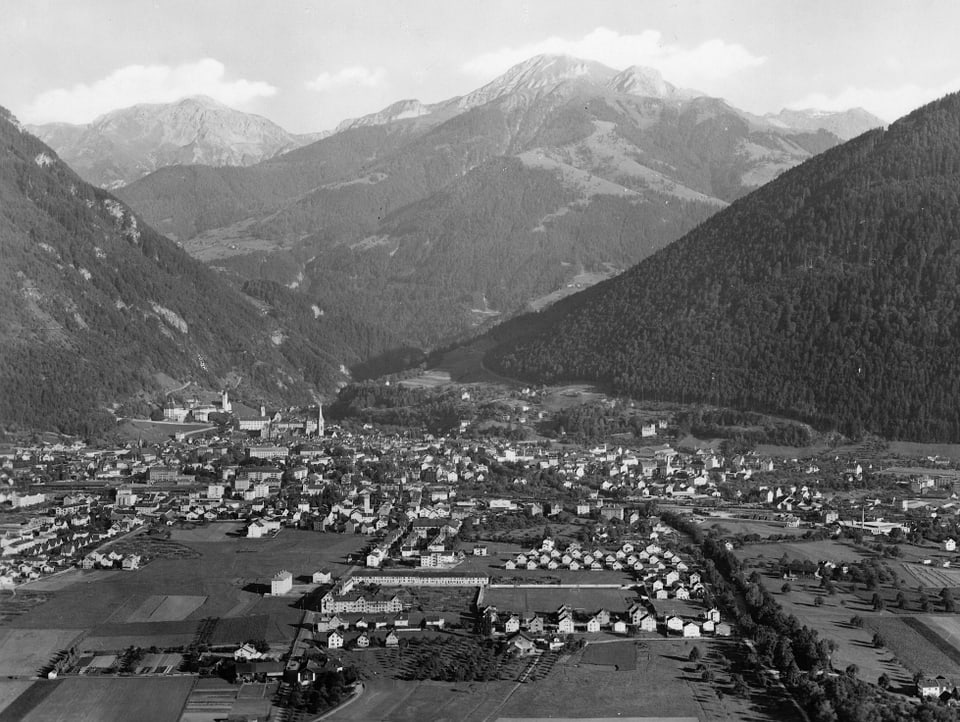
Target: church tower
{"points": [[320, 428]]}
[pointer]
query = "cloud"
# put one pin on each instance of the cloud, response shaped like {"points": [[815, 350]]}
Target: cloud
{"points": [[887, 103], [133, 84], [686, 66], [354, 75]]}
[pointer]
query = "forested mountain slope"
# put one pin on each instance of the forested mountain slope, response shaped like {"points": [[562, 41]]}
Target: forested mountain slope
{"points": [[831, 294], [94, 305]]}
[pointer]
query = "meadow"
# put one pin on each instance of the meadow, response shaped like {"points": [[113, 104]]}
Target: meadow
{"points": [[114, 699]]}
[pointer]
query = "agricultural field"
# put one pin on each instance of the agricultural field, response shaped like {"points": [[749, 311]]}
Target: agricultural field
{"points": [[166, 608], [23, 652], [114, 699], [113, 637], [662, 685], [10, 689], [931, 576], [215, 699], [549, 598], [237, 630], [214, 532], [731, 527], [919, 642], [828, 549], [620, 655], [439, 599], [155, 432], [15, 604], [231, 575]]}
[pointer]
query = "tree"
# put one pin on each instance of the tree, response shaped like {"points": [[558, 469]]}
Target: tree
{"points": [[884, 681], [818, 600], [901, 600], [852, 670], [785, 588], [877, 602], [856, 620], [694, 654], [878, 640]]}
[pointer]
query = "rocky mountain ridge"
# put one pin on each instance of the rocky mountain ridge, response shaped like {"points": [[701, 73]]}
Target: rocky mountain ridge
{"points": [[124, 145]]}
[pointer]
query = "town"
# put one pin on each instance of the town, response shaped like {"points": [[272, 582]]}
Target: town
{"points": [[331, 557]]}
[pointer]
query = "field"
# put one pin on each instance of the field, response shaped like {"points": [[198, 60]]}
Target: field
{"points": [[814, 551], [26, 651], [727, 527], [622, 655], [215, 699], [165, 603], [918, 644], [114, 699], [662, 686], [10, 689], [831, 619], [930, 576], [239, 629], [164, 608], [18, 603], [215, 532], [155, 432], [229, 574], [549, 598]]}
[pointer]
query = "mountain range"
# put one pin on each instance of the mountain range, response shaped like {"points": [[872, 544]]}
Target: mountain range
{"points": [[831, 294], [400, 232], [124, 145], [97, 309], [437, 219]]}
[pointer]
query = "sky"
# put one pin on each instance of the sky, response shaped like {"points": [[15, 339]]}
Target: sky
{"points": [[307, 65]]}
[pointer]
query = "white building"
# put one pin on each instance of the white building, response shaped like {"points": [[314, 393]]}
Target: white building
{"points": [[281, 583]]}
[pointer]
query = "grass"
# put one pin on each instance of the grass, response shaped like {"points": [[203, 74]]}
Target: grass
{"points": [[116, 699], [11, 689], [229, 573], [239, 630], [164, 608], [548, 599], [20, 707], [26, 651], [622, 655], [916, 645]]}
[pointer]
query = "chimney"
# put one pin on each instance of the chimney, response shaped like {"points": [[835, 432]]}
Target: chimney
{"points": [[263, 410]]}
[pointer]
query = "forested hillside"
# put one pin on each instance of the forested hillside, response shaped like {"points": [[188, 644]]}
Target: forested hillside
{"points": [[95, 306], [832, 294]]}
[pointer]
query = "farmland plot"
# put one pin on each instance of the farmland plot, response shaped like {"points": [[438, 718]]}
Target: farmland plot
{"points": [[166, 608], [916, 645], [25, 651], [549, 598], [114, 699]]}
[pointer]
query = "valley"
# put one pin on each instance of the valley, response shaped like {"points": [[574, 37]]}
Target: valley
{"points": [[378, 362]]}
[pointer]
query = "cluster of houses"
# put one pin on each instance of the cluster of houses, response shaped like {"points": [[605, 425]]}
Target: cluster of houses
{"points": [[629, 557], [111, 560], [567, 620], [57, 539]]}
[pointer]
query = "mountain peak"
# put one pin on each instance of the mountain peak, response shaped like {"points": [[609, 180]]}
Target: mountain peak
{"points": [[401, 110], [539, 74], [845, 124]]}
